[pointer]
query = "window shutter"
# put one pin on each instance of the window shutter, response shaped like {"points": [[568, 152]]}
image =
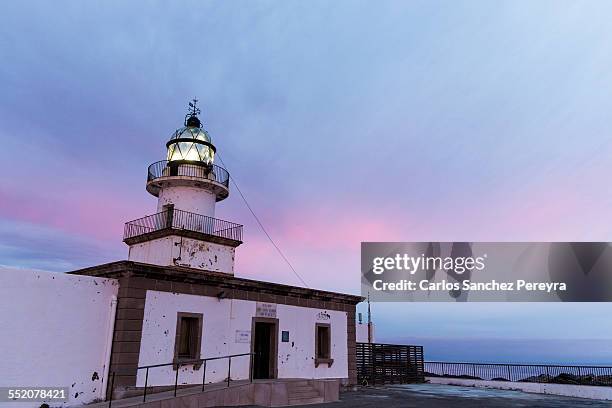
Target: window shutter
{"points": [[193, 338]]}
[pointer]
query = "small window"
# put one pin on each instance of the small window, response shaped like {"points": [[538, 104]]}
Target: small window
{"points": [[188, 337], [323, 344]]}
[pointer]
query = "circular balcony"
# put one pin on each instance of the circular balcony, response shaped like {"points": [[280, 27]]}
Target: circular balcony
{"points": [[183, 173]]}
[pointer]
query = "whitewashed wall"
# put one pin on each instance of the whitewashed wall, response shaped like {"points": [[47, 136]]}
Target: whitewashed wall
{"points": [[56, 331], [181, 251], [193, 199], [221, 319]]}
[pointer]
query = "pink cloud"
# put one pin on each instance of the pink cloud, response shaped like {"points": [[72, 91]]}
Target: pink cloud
{"points": [[80, 211], [323, 246], [337, 227]]}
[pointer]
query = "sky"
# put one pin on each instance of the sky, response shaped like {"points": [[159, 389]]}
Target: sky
{"points": [[341, 122]]}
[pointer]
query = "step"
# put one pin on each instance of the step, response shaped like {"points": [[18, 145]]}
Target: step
{"points": [[304, 394], [300, 388], [301, 383], [305, 401]]}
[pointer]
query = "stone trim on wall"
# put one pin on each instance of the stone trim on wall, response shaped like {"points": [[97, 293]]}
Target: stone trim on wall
{"points": [[351, 347], [181, 279], [129, 319]]}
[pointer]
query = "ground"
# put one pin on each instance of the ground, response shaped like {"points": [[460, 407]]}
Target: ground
{"points": [[435, 395]]}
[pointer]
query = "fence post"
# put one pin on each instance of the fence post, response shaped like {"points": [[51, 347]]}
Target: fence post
{"points": [[579, 376], [203, 375], [178, 367], [373, 364], [251, 367], [144, 395], [229, 370], [547, 375]]}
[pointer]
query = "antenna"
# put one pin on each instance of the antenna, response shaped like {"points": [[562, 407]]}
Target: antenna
{"points": [[369, 321]]}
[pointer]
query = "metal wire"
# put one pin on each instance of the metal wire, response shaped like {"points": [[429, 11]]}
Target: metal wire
{"points": [[280, 252]]}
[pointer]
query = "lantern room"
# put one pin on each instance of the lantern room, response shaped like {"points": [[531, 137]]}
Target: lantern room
{"points": [[191, 143], [188, 180]]}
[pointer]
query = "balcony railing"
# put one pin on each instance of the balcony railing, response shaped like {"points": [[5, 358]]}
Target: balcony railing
{"points": [[183, 220], [165, 168]]}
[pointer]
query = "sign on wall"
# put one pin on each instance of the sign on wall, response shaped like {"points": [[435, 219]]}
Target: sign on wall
{"points": [[243, 336], [323, 316], [266, 310]]}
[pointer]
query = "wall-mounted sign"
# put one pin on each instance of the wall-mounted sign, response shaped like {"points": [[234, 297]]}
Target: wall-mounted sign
{"points": [[285, 336], [243, 336], [266, 310], [323, 316]]}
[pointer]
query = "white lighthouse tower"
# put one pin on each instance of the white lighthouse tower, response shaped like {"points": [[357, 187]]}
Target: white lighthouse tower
{"points": [[188, 185]]}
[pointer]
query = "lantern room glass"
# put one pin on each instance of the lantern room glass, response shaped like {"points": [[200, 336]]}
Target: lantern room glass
{"points": [[191, 151]]}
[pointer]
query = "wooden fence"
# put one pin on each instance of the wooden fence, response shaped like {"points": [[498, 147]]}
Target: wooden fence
{"points": [[389, 363]]}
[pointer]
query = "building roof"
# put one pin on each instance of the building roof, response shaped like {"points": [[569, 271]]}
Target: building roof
{"points": [[234, 286]]}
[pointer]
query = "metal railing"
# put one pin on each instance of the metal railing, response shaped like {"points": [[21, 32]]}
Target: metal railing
{"points": [[182, 220], [538, 373], [165, 168], [177, 365]]}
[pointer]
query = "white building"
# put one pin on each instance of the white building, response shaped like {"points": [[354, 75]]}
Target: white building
{"points": [[175, 300]]}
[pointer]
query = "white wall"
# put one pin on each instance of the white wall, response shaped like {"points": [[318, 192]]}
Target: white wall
{"points": [[193, 199], [221, 319], [181, 251], [55, 331]]}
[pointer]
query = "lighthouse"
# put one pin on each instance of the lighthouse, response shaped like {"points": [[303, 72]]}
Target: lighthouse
{"points": [[176, 313], [187, 185]]}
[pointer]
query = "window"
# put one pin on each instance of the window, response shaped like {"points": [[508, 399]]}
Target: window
{"points": [[188, 337], [323, 344]]}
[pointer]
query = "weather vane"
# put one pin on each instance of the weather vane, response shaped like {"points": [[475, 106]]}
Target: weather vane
{"points": [[193, 109], [191, 119]]}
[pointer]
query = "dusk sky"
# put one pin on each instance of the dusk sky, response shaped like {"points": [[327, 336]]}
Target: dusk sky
{"points": [[342, 122]]}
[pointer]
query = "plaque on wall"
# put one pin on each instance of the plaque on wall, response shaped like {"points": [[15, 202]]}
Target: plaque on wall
{"points": [[243, 336], [285, 336], [266, 310]]}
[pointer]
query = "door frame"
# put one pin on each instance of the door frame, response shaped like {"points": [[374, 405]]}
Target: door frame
{"points": [[274, 344]]}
